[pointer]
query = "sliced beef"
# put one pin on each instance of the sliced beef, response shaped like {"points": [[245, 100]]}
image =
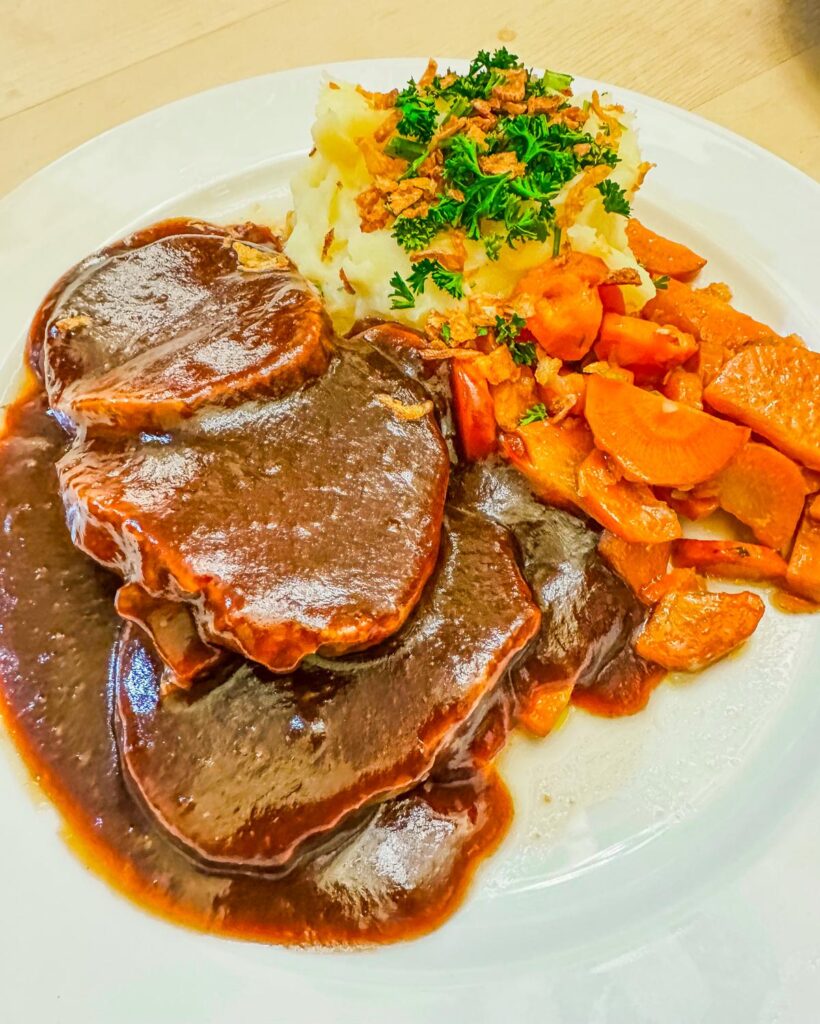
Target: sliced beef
{"points": [[310, 522], [172, 627], [243, 771], [589, 615], [145, 333]]}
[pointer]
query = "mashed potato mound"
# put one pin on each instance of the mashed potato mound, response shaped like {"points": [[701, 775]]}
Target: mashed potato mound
{"points": [[353, 268]]}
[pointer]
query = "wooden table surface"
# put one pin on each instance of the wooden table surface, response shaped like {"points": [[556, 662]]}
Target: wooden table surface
{"points": [[71, 69]]}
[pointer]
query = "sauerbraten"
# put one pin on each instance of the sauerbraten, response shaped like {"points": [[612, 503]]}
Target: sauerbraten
{"points": [[265, 629]]}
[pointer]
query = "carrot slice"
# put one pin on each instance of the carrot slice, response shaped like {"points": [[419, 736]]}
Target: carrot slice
{"points": [[696, 504], [630, 341], [691, 629], [676, 579], [629, 509], [775, 390], [803, 573], [655, 440], [661, 256], [545, 709], [637, 564], [684, 386], [549, 454], [511, 399], [728, 559], [568, 308], [612, 298], [763, 489], [474, 411], [719, 328]]}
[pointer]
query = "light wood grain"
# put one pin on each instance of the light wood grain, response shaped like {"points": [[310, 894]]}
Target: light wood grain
{"points": [[71, 70]]}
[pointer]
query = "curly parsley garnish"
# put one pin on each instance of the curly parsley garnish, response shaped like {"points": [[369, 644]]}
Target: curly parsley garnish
{"points": [[615, 200], [404, 292], [401, 297], [506, 333], [534, 414], [500, 180]]}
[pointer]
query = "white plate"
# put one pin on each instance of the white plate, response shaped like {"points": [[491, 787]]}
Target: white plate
{"points": [[670, 876]]}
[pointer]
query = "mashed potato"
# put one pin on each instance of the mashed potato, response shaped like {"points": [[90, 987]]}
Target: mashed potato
{"points": [[353, 267]]}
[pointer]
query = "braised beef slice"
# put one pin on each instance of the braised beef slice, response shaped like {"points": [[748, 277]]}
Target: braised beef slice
{"points": [[243, 771], [172, 627], [146, 333], [589, 615], [401, 875], [310, 522]]}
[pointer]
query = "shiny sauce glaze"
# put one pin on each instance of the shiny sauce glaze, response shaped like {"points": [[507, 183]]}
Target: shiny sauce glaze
{"points": [[399, 872], [83, 694]]}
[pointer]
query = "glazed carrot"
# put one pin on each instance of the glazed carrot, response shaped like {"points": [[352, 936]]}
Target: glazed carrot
{"points": [[684, 386], [545, 709], [763, 489], [655, 440], [691, 629], [568, 308], [637, 564], [612, 298], [719, 329], [775, 390], [549, 456], [630, 341], [813, 508], [661, 256], [686, 580], [792, 604], [511, 399], [695, 504], [564, 395], [803, 573], [628, 509], [473, 410], [729, 559]]}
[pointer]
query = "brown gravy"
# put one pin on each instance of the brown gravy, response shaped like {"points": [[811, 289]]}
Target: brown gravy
{"points": [[59, 624], [395, 870]]}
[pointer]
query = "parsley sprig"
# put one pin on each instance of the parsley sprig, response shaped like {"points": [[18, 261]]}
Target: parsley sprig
{"points": [[615, 200], [534, 414], [404, 291], [506, 333]]}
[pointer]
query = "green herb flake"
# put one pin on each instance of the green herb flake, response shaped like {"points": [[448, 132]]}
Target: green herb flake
{"points": [[401, 297], [534, 414], [661, 283], [615, 200]]}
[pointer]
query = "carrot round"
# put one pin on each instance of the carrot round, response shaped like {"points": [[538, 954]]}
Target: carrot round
{"points": [[612, 298], [630, 341], [549, 454], [655, 440], [545, 709], [662, 256], [719, 329], [729, 559], [684, 386], [775, 390], [763, 489], [637, 564], [803, 573], [568, 308], [629, 509], [473, 404], [691, 629]]}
